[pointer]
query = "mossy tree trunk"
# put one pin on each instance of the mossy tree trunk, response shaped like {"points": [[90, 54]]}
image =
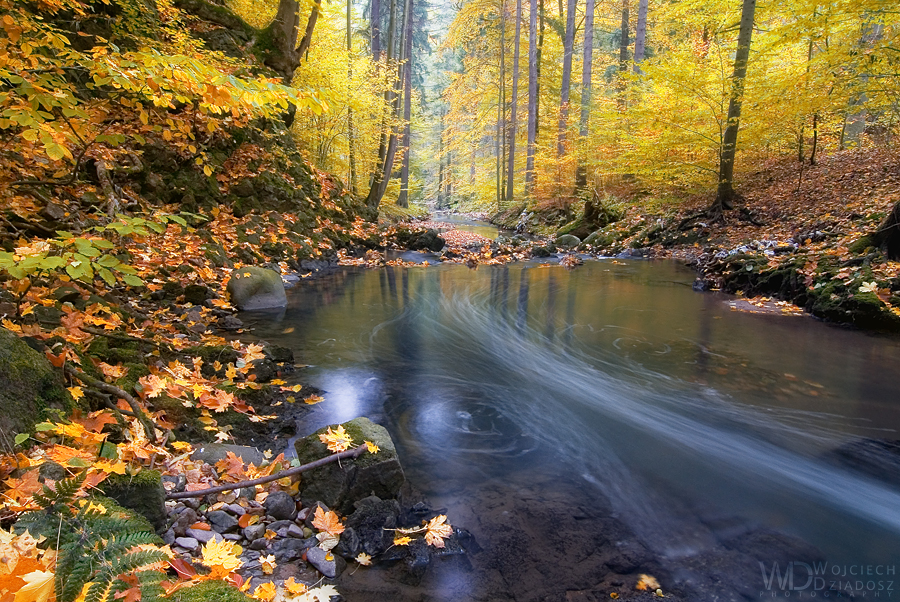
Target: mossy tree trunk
{"points": [[887, 236]]}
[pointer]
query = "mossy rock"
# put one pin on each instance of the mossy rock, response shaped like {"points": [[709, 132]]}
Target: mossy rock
{"points": [[256, 288], [339, 486], [861, 244], [210, 591], [568, 241], [143, 493], [29, 386]]}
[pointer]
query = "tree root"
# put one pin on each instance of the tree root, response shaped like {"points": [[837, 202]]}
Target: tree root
{"points": [[350, 453]]}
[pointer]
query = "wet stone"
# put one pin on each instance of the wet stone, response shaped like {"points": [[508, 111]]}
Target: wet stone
{"points": [[260, 544], [187, 518], [221, 521], [203, 536], [281, 506], [254, 532], [327, 563], [235, 509], [295, 531], [188, 543], [169, 537]]}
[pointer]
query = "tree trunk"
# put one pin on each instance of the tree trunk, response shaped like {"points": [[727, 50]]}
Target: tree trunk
{"points": [[501, 107], [383, 175], [513, 123], [581, 174], [568, 44], [375, 29], [887, 236], [532, 95], [623, 39], [350, 133], [310, 26], [284, 29], [640, 36], [440, 184], [725, 193], [540, 50], [403, 198]]}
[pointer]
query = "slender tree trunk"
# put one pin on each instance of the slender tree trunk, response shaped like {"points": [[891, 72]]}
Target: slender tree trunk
{"points": [[403, 198], [350, 134], [310, 27], [623, 55], [383, 176], [440, 184], [513, 123], [640, 36], [623, 39], [501, 107], [532, 94], [375, 28], [725, 193], [540, 49], [587, 64], [568, 44]]}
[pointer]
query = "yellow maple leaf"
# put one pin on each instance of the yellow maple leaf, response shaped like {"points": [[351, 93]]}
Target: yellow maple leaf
{"points": [[328, 522], [112, 467], [373, 449], [267, 563], [337, 440], [293, 588], [265, 592], [38, 587], [253, 352], [220, 557], [647, 582], [76, 393], [313, 399], [402, 540], [436, 530]]}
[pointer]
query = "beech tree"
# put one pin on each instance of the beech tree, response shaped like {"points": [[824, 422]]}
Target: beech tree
{"points": [[725, 192]]}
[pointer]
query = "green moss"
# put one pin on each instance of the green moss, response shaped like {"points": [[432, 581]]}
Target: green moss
{"points": [[143, 493], [210, 591], [862, 244], [29, 386]]}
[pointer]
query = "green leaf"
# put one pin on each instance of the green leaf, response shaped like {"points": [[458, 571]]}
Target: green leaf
{"points": [[21, 438], [41, 427], [107, 276], [102, 243], [132, 280], [78, 463]]}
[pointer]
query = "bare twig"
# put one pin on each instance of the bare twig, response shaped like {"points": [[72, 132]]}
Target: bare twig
{"points": [[114, 390], [350, 453], [117, 336]]}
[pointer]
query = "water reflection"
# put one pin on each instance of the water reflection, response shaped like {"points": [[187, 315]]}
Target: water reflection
{"points": [[678, 409]]}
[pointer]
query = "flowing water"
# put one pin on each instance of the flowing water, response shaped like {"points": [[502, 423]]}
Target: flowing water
{"points": [[522, 394]]}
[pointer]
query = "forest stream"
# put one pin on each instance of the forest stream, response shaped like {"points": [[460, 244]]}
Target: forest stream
{"points": [[610, 416]]}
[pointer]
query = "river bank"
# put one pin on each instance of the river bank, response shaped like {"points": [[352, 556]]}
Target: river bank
{"points": [[797, 236]]}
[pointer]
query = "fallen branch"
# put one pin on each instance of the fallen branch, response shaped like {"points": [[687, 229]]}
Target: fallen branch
{"points": [[350, 453], [118, 336], [149, 428]]}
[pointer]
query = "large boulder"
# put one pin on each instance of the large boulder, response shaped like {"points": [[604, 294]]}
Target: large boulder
{"points": [[256, 288], [340, 485], [29, 386], [568, 241]]}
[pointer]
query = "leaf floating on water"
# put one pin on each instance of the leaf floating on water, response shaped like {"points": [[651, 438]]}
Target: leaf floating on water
{"points": [[647, 582]]}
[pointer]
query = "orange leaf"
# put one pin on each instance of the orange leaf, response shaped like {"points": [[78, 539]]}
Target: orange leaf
{"points": [[201, 526], [328, 522]]}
